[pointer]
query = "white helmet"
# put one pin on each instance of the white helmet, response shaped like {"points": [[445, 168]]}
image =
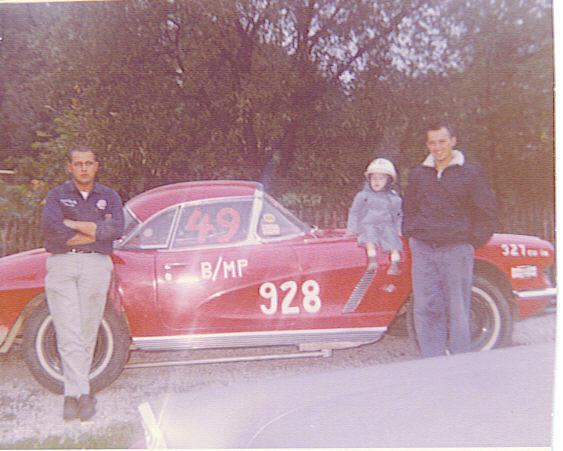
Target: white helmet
{"points": [[382, 166]]}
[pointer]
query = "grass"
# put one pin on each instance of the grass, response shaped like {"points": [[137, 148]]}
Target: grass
{"points": [[117, 436]]}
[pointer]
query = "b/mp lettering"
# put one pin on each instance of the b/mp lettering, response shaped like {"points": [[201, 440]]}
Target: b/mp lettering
{"points": [[223, 269]]}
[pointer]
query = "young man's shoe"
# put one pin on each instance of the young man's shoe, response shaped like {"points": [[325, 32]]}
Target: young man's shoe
{"points": [[394, 269], [70, 408], [86, 407]]}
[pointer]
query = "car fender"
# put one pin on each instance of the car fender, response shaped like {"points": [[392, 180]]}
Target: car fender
{"points": [[490, 270], [13, 332]]}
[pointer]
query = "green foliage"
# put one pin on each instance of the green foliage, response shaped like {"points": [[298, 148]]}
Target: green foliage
{"points": [[19, 203], [501, 102], [315, 89], [189, 90]]}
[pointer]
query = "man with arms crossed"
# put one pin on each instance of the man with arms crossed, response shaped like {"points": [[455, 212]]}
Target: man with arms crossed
{"points": [[81, 218], [449, 210]]}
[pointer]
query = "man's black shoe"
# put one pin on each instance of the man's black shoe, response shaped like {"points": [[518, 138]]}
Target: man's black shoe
{"points": [[86, 407], [70, 408]]}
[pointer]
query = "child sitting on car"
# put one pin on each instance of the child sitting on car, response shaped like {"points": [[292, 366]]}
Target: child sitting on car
{"points": [[375, 215]]}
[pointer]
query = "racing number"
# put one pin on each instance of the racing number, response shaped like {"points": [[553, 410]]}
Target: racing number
{"points": [[513, 250], [310, 290], [227, 218], [520, 250]]}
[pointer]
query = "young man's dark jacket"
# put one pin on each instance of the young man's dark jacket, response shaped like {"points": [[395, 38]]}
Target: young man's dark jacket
{"points": [[456, 206], [103, 206]]}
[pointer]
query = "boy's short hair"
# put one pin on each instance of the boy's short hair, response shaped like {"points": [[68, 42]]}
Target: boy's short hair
{"points": [[437, 125], [81, 148]]}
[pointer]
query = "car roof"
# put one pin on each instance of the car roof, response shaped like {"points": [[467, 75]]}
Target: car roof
{"points": [[146, 204]]}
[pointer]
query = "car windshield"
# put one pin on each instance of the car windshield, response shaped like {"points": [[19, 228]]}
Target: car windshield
{"points": [[289, 216], [131, 222]]}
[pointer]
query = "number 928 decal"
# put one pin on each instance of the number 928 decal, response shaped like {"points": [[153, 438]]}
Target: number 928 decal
{"points": [[309, 301]]}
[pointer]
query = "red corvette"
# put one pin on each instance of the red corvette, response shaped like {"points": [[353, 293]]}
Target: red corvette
{"points": [[223, 265]]}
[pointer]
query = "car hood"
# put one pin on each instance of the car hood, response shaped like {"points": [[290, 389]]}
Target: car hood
{"points": [[22, 256]]}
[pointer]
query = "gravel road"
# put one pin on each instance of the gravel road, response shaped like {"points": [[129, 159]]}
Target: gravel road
{"points": [[30, 415]]}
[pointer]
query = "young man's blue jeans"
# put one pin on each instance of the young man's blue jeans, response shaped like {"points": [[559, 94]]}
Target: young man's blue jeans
{"points": [[442, 279]]}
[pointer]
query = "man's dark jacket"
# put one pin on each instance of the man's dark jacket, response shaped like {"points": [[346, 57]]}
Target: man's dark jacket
{"points": [[103, 206], [457, 207]]}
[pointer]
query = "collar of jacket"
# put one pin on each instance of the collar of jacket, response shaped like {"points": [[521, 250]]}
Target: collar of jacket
{"points": [[69, 186], [458, 159], [367, 188]]}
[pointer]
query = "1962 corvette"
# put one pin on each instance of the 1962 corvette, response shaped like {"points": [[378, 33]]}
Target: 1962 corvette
{"points": [[223, 265]]}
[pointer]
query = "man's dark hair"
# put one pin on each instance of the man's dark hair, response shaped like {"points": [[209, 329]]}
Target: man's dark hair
{"points": [[437, 125], [81, 148]]}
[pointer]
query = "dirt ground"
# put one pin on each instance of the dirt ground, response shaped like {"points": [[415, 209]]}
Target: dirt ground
{"points": [[30, 412]]}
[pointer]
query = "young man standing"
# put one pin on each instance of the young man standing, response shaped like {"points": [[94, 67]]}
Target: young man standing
{"points": [[81, 219], [449, 210]]}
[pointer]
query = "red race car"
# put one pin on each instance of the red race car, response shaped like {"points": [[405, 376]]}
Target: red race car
{"points": [[222, 265]]}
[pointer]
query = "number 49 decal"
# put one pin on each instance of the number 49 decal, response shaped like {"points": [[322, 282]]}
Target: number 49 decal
{"points": [[310, 301]]}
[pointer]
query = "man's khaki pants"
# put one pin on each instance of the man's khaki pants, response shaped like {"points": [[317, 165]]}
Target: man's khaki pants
{"points": [[76, 286]]}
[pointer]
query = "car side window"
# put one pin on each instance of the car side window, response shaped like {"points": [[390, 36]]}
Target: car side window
{"points": [[154, 233], [275, 222], [213, 223]]}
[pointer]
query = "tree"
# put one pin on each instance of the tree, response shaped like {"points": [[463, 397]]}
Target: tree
{"points": [[184, 90], [510, 112], [500, 98], [187, 90], [22, 57]]}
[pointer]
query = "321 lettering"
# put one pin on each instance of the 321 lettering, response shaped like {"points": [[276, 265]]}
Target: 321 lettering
{"points": [[310, 300], [520, 250]]}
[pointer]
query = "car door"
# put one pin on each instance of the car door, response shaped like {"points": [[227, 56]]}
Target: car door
{"points": [[338, 266], [352, 295], [293, 301], [217, 276], [335, 290], [134, 271], [330, 267]]}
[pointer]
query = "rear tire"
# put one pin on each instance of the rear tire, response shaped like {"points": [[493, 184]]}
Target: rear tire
{"points": [[491, 319], [43, 360]]}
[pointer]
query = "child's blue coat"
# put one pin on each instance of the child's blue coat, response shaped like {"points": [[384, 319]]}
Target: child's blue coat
{"points": [[375, 216]]}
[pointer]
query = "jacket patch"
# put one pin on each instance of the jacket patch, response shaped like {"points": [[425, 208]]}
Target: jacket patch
{"points": [[101, 204], [68, 202]]}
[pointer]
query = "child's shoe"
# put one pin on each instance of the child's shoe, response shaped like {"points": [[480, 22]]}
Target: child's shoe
{"points": [[394, 269], [372, 264]]}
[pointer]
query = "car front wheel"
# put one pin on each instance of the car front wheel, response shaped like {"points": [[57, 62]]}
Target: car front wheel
{"points": [[44, 362], [491, 320]]}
